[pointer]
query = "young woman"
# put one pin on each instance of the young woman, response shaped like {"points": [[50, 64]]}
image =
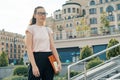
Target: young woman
{"points": [[40, 45]]}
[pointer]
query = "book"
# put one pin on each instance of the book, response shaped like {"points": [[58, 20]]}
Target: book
{"points": [[54, 63]]}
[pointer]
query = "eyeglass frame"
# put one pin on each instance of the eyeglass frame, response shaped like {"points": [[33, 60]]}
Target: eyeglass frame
{"points": [[42, 13]]}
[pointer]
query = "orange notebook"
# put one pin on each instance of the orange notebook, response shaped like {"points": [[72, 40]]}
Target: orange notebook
{"points": [[54, 64]]}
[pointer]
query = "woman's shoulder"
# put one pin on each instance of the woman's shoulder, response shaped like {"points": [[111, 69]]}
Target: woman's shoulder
{"points": [[30, 27], [50, 29]]}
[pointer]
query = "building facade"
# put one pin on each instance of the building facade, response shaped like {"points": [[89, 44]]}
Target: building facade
{"points": [[85, 14], [12, 44], [81, 20]]}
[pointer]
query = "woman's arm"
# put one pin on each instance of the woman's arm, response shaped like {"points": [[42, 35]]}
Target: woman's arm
{"points": [[30, 54], [54, 51], [29, 48]]}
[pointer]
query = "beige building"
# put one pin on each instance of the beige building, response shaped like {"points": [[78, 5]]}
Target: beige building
{"points": [[12, 44], [65, 22]]}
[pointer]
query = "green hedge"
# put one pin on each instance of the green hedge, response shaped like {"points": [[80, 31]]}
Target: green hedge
{"points": [[93, 63], [16, 78], [21, 71]]}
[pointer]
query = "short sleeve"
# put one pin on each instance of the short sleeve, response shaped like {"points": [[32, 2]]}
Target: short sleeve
{"points": [[29, 29], [50, 30]]}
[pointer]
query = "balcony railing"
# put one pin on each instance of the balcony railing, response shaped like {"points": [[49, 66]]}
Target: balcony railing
{"points": [[83, 36]]}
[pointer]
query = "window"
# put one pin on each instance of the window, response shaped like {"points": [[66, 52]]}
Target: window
{"points": [[6, 45], [77, 10], [10, 50], [92, 3], [2, 43], [118, 17], [92, 11], [14, 51], [66, 25], [106, 0], [119, 27], [109, 9], [111, 18], [69, 17], [118, 6], [14, 55], [19, 56], [14, 45], [19, 51], [69, 10], [101, 9], [100, 1], [70, 25], [56, 16], [60, 16], [10, 55], [57, 36], [10, 45], [64, 11], [94, 31], [93, 20], [112, 28], [84, 13], [22, 46], [73, 10]]}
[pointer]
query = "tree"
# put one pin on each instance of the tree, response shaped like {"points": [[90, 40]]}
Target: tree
{"points": [[21, 61], [86, 52], [113, 52], [3, 59], [104, 23], [83, 29]]}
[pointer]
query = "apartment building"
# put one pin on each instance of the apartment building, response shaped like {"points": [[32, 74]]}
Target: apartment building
{"points": [[65, 22], [12, 44]]}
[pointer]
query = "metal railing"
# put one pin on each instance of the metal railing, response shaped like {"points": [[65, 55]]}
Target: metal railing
{"points": [[83, 60], [106, 73], [113, 77]]}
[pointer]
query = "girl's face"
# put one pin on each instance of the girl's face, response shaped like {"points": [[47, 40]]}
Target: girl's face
{"points": [[40, 15]]}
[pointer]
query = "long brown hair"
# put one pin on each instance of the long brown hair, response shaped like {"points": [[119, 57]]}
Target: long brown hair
{"points": [[33, 20]]}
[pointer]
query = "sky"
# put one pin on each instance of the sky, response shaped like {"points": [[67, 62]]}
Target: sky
{"points": [[16, 14]]}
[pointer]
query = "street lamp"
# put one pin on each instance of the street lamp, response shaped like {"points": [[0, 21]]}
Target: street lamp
{"points": [[110, 13], [60, 29]]}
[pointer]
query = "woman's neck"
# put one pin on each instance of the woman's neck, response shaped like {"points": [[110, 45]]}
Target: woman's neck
{"points": [[40, 24]]}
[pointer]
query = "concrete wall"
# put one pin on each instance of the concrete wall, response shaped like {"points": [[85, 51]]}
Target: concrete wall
{"points": [[5, 72]]}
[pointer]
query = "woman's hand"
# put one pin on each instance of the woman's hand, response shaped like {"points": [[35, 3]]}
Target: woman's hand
{"points": [[59, 66], [35, 71]]}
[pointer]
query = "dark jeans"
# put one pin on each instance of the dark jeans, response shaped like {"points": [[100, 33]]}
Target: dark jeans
{"points": [[45, 68]]}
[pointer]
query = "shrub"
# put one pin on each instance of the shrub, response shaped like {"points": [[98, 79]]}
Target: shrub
{"points": [[72, 73], [3, 59], [16, 78], [86, 52], [93, 63], [21, 71], [113, 52]]}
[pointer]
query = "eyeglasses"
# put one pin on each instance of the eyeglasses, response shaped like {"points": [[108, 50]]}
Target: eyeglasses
{"points": [[42, 13]]}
